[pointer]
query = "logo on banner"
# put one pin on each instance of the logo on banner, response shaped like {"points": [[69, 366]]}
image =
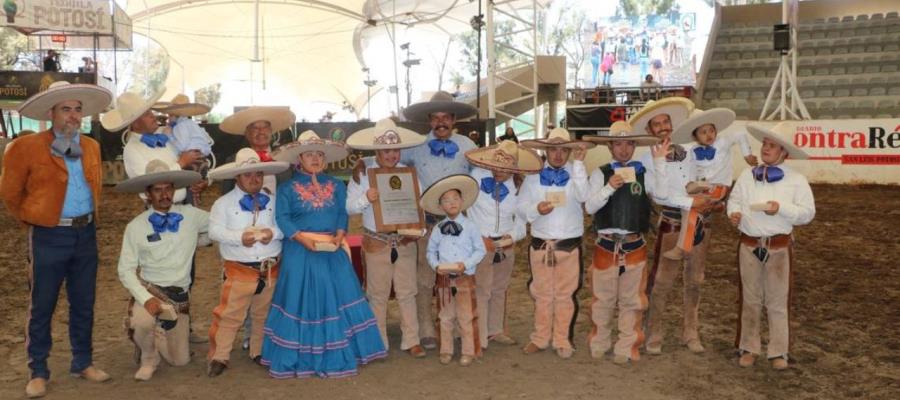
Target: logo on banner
{"points": [[59, 15], [850, 139]]}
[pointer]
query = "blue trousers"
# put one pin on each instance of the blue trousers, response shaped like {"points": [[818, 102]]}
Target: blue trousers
{"points": [[61, 254]]}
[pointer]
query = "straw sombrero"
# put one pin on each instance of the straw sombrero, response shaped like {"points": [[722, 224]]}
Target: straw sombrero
{"points": [[385, 135], [558, 137], [157, 171], [310, 141], [181, 106], [281, 118], [93, 98], [506, 156], [247, 160], [441, 101], [782, 134], [621, 131], [467, 186], [721, 118], [678, 109], [129, 107]]}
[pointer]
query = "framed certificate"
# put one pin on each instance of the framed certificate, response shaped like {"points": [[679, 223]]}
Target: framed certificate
{"points": [[398, 199]]}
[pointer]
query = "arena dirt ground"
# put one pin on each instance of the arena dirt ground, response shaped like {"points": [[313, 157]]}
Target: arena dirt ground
{"points": [[846, 340]]}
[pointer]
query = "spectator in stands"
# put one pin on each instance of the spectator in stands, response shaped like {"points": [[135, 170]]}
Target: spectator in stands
{"points": [[644, 51], [509, 134], [649, 88], [657, 54], [89, 67], [595, 62], [51, 62], [607, 67]]}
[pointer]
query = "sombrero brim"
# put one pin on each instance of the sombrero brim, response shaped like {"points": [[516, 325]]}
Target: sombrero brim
{"points": [[94, 99], [363, 138], [231, 170], [467, 186], [539, 144], [639, 140], [760, 133], [280, 118], [721, 118], [179, 179], [185, 110], [290, 153], [114, 120], [419, 112], [528, 161], [678, 109]]}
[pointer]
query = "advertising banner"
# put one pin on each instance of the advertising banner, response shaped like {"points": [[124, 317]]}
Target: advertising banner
{"points": [[86, 16]]}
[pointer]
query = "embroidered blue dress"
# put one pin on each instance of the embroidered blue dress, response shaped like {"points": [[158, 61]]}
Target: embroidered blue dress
{"points": [[320, 322]]}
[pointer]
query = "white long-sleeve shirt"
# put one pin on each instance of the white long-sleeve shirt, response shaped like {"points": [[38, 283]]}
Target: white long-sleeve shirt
{"points": [[562, 222], [601, 191], [678, 174], [228, 221], [720, 169], [796, 205], [358, 203], [136, 155], [164, 260], [467, 247], [496, 219]]}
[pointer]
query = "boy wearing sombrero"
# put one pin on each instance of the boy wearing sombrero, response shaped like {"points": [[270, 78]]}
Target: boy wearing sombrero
{"points": [[390, 257], [51, 183], [243, 222], [454, 250], [161, 241], [767, 202], [552, 202], [494, 212]]}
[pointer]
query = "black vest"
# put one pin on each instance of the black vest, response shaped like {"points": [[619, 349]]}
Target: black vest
{"points": [[628, 208]]}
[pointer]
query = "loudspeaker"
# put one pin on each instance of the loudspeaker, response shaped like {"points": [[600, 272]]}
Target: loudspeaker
{"points": [[782, 37]]}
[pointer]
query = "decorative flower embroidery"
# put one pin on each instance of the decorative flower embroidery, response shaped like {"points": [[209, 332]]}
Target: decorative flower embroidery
{"points": [[316, 196]]}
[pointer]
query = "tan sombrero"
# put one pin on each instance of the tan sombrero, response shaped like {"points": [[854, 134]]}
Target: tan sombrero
{"points": [[181, 106], [310, 141], [385, 135], [467, 186], [558, 137], [247, 160], [157, 171], [281, 118], [129, 107], [93, 98], [441, 101], [678, 109], [782, 134], [721, 118], [506, 156], [621, 131]]}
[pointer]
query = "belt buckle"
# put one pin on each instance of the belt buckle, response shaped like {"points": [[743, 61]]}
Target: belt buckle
{"points": [[81, 221]]}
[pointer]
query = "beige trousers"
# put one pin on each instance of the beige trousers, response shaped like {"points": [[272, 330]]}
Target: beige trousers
{"points": [[553, 290], [156, 342], [380, 275], [491, 289], [623, 283], [765, 285], [238, 296], [458, 311], [424, 290]]}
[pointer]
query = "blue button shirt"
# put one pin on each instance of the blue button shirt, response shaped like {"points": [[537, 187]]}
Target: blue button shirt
{"points": [[467, 248], [79, 199], [431, 169]]}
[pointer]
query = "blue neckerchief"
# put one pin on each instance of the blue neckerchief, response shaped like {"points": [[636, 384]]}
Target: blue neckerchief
{"points": [[768, 173], [153, 140], [704, 152], [451, 228], [247, 201], [497, 190], [165, 222], [554, 177], [65, 146], [446, 148], [637, 165]]}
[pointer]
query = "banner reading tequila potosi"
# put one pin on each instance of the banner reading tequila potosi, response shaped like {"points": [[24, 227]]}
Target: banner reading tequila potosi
{"points": [[85, 16]]}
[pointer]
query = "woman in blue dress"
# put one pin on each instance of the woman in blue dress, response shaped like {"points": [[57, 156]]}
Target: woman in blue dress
{"points": [[320, 322]]}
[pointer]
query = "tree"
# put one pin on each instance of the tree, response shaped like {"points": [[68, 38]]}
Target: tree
{"points": [[13, 49], [210, 95], [567, 37], [504, 53]]}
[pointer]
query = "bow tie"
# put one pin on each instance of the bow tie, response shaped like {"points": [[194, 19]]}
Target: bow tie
{"points": [[153, 140], [497, 190], [554, 177], [264, 155], [451, 228], [165, 222], [677, 153], [704, 152], [65, 147], [767, 173], [249, 200], [445, 148], [637, 165]]}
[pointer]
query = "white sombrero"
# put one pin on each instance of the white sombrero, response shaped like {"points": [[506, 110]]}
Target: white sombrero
{"points": [[385, 135], [441, 101], [558, 137], [467, 186], [129, 107], [181, 106], [247, 160], [721, 118], [93, 98], [157, 171], [506, 156], [621, 131], [281, 118], [782, 134], [310, 141], [678, 109]]}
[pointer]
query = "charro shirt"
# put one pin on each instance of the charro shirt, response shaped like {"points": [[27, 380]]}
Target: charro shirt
{"points": [[467, 248], [495, 219], [432, 168], [563, 222], [796, 205], [358, 203], [228, 221], [136, 155]]}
